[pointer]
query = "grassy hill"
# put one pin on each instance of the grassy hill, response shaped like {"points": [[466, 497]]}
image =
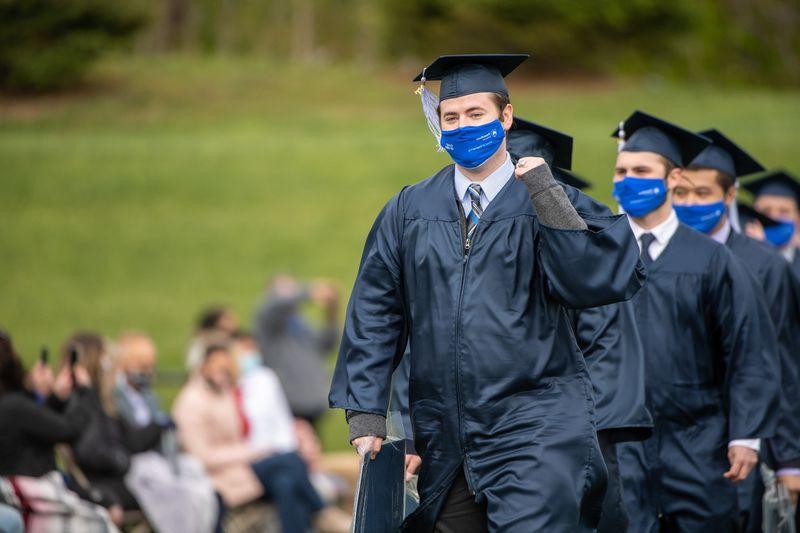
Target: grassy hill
{"points": [[174, 182]]}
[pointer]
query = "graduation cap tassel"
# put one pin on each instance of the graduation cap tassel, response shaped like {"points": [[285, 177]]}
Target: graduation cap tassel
{"points": [[430, 108], [621, 137]]}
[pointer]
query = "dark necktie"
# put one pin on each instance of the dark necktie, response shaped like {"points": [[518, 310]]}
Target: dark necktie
{"points": [[646, 239]]}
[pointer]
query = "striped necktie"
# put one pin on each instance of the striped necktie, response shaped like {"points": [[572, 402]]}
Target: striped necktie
{"points": [[474, 215]]}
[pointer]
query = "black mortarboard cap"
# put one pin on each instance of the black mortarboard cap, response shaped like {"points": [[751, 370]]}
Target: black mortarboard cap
{"points": [[527, 138], [646, 133], [571, 179], [748, 214], [776, 183], [726, 156], [471, 73]]}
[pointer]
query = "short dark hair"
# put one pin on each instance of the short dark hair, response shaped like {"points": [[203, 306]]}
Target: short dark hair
{"points": [[669, 166], [724, 180], [209, 318], [213, 348]]}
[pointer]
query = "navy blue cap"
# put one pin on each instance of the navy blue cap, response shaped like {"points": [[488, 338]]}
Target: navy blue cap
{"points": [[570, 178], [748, 214], [726, 156], [527, 138], [471, 73], [646, 133], [775, 183]]}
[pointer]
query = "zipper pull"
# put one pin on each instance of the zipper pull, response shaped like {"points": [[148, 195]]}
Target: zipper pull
{"points": [[466, 246]]}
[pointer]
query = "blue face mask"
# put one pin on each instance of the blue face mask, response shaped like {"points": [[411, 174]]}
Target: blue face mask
{"points": [[781, 233], [249, 361], [639, 196], [471, 146], [703, 217]]}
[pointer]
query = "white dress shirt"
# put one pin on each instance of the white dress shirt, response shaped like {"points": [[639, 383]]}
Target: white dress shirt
{"points": [[663, 232], [490, 185], [721, 235]]}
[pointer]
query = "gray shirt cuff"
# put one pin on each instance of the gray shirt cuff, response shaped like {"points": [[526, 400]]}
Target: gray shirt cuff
{"points": [[366, 424], [550, 202]]}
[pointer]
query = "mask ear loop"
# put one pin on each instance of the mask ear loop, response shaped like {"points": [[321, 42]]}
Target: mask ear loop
{"points": [[733, 211], [430, 109]]}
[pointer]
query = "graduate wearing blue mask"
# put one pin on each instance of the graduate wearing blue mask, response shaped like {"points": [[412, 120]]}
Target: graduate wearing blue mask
{"points": [[704, 198], [711, 367], [476, 267], [777, 195]]}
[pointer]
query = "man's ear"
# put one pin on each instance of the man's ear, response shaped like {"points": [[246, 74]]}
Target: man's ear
{"points": [[507, 117], [730, 195]]}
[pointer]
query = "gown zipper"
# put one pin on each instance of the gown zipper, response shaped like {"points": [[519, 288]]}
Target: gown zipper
{"points": [[467, 244]]}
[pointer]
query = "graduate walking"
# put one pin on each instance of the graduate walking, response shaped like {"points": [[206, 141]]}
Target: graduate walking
{"points": [[711, 366], [477, 266], [607, 336], [704, 198]]}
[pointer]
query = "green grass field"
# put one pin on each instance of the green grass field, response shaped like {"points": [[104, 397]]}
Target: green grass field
{"points": [[174, 182]]}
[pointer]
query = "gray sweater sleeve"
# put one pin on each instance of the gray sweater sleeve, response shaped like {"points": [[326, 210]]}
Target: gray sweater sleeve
{"points": [[366, 424], [549, 200]]}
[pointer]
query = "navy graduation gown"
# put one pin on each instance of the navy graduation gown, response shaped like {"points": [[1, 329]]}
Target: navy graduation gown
{"points": [[775, 279], [711, 377], [609, 340], [778, 286], [498, 386]]}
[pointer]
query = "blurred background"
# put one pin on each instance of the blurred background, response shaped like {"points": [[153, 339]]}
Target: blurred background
{"points": [[158, 156]]}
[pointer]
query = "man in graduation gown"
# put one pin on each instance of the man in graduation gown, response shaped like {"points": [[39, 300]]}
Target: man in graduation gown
{"points": [[477, 269], [703, 198], [777, 195], [711, 366], [607, 335]]}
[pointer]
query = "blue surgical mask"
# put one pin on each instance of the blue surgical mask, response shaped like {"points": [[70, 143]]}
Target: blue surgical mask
{"points": [[703, 217], [781, 233], [249, 361], [639, 196], [471, 146]]}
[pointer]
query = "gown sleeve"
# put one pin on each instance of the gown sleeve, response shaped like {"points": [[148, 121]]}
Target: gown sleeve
{"points": [[609, 340], [781, 293], [749, 346], [596, 266], [375, 323]]}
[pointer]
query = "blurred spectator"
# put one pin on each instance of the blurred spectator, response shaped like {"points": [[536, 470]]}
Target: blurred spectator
{"points": [[214, 321], [103, 451], [33, 422], [161, 474], [294, 349], [214, 428], [270, 421], [10, 519], [133, 396]]}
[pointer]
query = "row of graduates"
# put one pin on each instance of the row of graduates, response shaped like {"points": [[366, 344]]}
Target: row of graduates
{"points": [[693, 373]]}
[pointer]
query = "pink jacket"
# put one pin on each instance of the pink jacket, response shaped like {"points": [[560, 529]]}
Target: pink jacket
{"points": [[210, 429]]}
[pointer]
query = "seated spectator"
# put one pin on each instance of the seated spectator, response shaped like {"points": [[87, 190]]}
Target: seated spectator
{"points": [[293, 348], [213, 427], [133, 395], [160, 475], [270, 421], [214, 321], [33, 422], [104, 450]]}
